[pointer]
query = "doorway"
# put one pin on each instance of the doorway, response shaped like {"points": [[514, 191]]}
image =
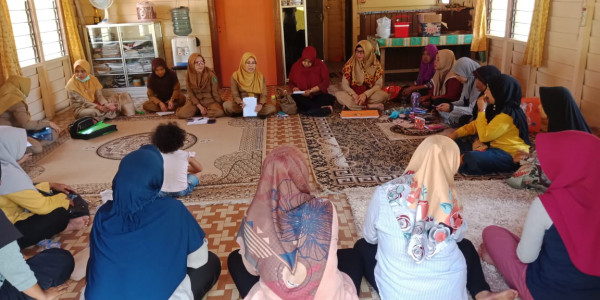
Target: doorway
{"points": [[314, 18], [334, 30]]}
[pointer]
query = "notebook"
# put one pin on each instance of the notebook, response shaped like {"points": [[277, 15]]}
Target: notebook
{"points": [[360, 114]]}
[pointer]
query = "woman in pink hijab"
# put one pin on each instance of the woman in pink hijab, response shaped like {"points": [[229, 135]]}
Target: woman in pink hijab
{"points": [[556, 256], [288, 239]]}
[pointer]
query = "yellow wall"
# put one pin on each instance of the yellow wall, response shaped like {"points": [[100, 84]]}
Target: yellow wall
{"points": [[123, 11]]}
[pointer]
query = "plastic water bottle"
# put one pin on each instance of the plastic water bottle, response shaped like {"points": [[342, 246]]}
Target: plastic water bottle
{"points": [[181, 21], [414, 97]]}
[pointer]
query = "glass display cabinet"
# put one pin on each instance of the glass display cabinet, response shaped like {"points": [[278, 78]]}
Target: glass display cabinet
{"points": [[121, 54]]}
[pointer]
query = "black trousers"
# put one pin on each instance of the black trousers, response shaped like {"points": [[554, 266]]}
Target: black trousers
{"points": [[206, 276], [40, 227], [475, 279], [313, 106], [349, 262], [52, 267]]}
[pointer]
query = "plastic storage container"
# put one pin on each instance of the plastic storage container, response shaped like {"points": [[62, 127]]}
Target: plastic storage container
{"points": [[401, 28], [181, 21]]}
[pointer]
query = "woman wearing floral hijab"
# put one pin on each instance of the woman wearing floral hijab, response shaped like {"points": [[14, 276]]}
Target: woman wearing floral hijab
{"points": [[203, 90], [289, 238], [362, 80], [247, 81]]}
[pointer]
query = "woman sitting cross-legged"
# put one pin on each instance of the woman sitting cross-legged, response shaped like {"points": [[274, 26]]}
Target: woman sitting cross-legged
{"points": [[556, 256], [288, 239], [460, 112], [444, 86], [85, 93], [164, 91], [362, 80], [500, 122], [202, 90], [14, 111], [310, 74], [413, 246], [247, 81], [143, 246], [426, 72], [36, 216]]}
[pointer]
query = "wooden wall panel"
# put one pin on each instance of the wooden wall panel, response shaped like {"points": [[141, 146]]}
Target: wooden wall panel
{"points": [[544, 79]]}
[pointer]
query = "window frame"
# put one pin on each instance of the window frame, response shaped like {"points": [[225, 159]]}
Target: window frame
{"points": [[511, 12], [35, 34]]}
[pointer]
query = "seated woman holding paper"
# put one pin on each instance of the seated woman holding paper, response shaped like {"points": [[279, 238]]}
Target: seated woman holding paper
{"points": [[248, 82], [85, 93], [443, 86], [309, 80], [143, 246], [202, 90], [460, 112], [362, 80], [15, 112], [164, 91], [36, 216], [501, 123]]}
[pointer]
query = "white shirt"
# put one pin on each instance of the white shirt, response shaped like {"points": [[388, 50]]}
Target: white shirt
{"points": [[176, 170], [444, 276]]}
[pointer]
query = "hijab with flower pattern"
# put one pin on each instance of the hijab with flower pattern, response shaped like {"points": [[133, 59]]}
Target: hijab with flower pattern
{"points": [[428, 211], [365, 72]]}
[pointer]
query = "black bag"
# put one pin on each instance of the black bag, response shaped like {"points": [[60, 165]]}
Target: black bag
{"points": [[80, 207], [81, 124]]}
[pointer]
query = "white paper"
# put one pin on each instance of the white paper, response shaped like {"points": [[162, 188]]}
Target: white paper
{"points": [[197, 120], [29, 144], [164, 113], [298, 92], [249, 109]]}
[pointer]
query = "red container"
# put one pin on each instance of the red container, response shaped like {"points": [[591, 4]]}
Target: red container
{"points": [[401, 28]]}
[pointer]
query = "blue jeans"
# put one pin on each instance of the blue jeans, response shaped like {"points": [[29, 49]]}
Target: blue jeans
{"points": [[492, 160], [52, 267], [192, 182]]}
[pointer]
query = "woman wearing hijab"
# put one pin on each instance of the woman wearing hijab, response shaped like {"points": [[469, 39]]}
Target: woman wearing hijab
{"points": [[35, 215], [563, 114], [202, 90], [310, 75], [283, 253], [362, 80], [415, 221], [15, 112], [164, 91], [85, 93], [562, 110], [500, 122], [143, 246], [483, 75], [460, 112], [556, 256], [426, 72], [247, 81], [39, 277], [444, 86]]}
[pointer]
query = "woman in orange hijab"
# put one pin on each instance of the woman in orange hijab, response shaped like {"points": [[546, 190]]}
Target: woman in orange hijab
{"points": [[85, 93], [247, 81], [202, 90], [362, 80]]}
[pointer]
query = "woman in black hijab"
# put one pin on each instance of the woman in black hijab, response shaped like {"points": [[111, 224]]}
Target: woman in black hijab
{"points": [[561, 109]]}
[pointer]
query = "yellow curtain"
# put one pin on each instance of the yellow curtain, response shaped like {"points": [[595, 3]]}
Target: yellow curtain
{"points": [[479, 43], [537, 34], [73, 40], [9, 61]]}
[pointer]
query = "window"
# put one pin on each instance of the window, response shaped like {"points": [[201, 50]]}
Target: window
{"points": [[37, 31], [510, 18]]}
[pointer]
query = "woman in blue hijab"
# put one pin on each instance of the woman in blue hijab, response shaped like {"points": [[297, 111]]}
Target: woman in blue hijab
{"points": [[146, 247]]}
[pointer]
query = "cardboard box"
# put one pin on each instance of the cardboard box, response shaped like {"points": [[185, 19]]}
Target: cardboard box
{"points": [[429, 17], [430, 29]]}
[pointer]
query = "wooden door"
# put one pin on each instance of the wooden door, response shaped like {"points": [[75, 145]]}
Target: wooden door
{"points": [[246, 26], [314, 16], [333, 24]]}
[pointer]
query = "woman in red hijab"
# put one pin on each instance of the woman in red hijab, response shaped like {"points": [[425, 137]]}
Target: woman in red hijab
{"points": [[309, 80], [556, 256]]}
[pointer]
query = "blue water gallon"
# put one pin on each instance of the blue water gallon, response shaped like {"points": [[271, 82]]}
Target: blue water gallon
{"points": [[181, 21]]}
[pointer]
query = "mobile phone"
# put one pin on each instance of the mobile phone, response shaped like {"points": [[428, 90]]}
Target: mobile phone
{"points": [[212, 121]]}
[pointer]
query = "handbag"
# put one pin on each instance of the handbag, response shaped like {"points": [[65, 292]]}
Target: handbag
{"points": [[80, 207], [77, 129], [286, 102]]}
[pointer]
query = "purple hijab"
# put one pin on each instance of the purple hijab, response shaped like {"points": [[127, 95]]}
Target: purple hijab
{"points": [[427, 70]]}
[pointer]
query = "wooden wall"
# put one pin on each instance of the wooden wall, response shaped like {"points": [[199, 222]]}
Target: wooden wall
{"points": [[124, 11], [48, 82], [571, 56]]}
